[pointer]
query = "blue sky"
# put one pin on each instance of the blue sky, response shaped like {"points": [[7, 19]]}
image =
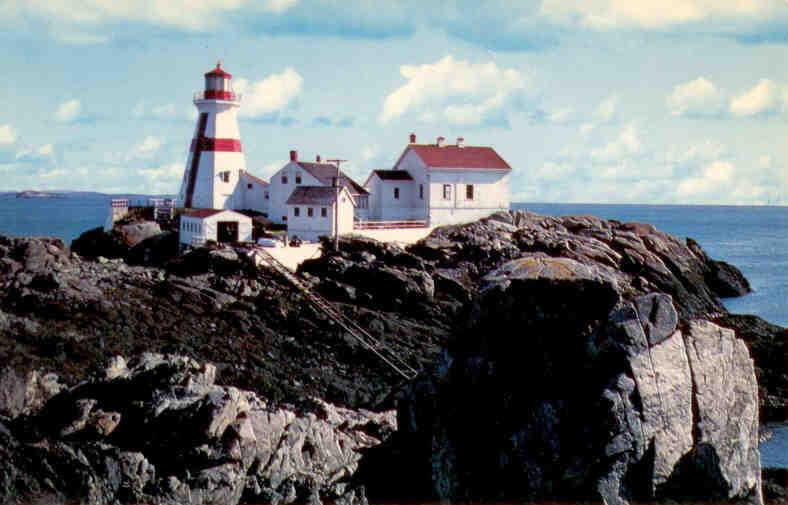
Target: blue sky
{"points": [[609, 101]]}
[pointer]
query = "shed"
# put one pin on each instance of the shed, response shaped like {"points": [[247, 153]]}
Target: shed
{"points": [[311, 212], [223, 226]]}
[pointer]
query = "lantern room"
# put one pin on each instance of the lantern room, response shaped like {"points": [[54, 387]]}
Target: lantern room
{"points": [[217, 84]]}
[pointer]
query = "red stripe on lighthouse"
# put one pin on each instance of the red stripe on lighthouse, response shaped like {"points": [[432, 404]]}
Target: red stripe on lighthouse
{"points": [[223, 145], [201, 126]]}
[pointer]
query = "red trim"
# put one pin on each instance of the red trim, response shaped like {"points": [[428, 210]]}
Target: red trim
{"points": [[223, 145], [217, 94]]}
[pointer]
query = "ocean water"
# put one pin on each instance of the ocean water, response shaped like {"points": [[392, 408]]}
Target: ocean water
{"points": [[755, 239]]}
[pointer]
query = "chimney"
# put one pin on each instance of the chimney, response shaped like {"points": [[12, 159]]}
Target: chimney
{"points": [[460, 141], [317, 158], [439, 141], [412, 138], [293, 155]]}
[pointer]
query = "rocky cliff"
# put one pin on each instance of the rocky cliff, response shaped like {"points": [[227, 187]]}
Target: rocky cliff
{"points": [[561, 357]]}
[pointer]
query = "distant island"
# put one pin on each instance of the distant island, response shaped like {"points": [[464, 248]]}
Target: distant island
{"points": [[37, 194]]}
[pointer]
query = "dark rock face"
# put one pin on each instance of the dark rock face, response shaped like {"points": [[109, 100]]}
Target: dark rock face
{"points": [[775, 486], [160, 430], [561, 389], [61, 313]]}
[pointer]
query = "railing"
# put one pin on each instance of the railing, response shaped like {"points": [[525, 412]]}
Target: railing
{"points": [[385, 353], [389, 225], [214, 94]]}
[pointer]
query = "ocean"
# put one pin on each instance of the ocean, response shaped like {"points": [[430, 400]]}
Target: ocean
{"points": [[755, 239]]}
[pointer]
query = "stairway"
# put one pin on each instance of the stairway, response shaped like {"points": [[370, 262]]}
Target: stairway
{"points": [[382, 351]]}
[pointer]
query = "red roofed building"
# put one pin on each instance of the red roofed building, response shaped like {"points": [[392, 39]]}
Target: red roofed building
{"points": [[447, 184]]}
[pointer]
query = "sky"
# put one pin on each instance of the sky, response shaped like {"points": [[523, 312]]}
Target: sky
{"points": [[599, 101]]}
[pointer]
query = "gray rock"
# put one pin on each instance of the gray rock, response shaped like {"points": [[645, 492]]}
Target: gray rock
{"points": [[25, 393], [133, 234], [182, 438]]}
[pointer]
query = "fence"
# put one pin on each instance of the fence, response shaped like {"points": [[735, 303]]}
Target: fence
{"points": [[389, 225]]}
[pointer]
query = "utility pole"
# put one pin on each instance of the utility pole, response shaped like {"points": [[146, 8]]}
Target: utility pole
{"points": [[338, 187]]}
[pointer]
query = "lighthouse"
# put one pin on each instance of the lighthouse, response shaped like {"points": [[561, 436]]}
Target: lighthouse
{"points": [[216, 161]]}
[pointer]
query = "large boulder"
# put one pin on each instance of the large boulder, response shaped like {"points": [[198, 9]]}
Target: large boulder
{"points": [[562, 387], [134, 233]]}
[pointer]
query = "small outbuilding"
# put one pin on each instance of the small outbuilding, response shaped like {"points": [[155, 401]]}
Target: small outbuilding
{"points": [[312, 212], [222, 226]]}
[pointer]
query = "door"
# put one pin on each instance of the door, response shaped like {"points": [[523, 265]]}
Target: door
{"points": [[227, 231]]}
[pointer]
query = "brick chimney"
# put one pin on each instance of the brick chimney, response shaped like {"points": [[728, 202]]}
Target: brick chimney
{"points": [[439, 141], [317, 158], [293, 155], [460, 141], [412, 138]]}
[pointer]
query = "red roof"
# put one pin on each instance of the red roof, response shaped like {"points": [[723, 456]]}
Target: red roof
{"points": [[451, 156], [202, 213], [218, 72], [255, 178]]}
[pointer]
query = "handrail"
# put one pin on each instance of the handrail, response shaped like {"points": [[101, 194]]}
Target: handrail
{"points": [[357, 332]]}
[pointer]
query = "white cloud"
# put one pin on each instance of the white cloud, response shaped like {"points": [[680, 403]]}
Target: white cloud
{"points": [[41, 153], [457, 91], [696, 98], [763, 98], [7, 134], [272, 94], [713, 179], [604, 113], [192, 15], [655, 14], [626, 144], [149, 145], [560, 116], [163, 179], [68, 111]]}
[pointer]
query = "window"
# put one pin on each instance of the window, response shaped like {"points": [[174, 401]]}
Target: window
{"points": [[284, 218], [421, 191], [296, 211], [323, 212], [447, 191], [310, 212], [284, 179], [225, 176], [266, 195], [396, 193], [298, 178], [469, 191], [249, 186]]}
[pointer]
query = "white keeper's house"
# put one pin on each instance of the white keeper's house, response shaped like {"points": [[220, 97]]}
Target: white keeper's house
{"points": [[440, 184], [312, 212], [297, 173]]}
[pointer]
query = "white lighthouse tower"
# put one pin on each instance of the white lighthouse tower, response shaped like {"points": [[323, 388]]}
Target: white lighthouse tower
{"points": [[216, 161]]}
